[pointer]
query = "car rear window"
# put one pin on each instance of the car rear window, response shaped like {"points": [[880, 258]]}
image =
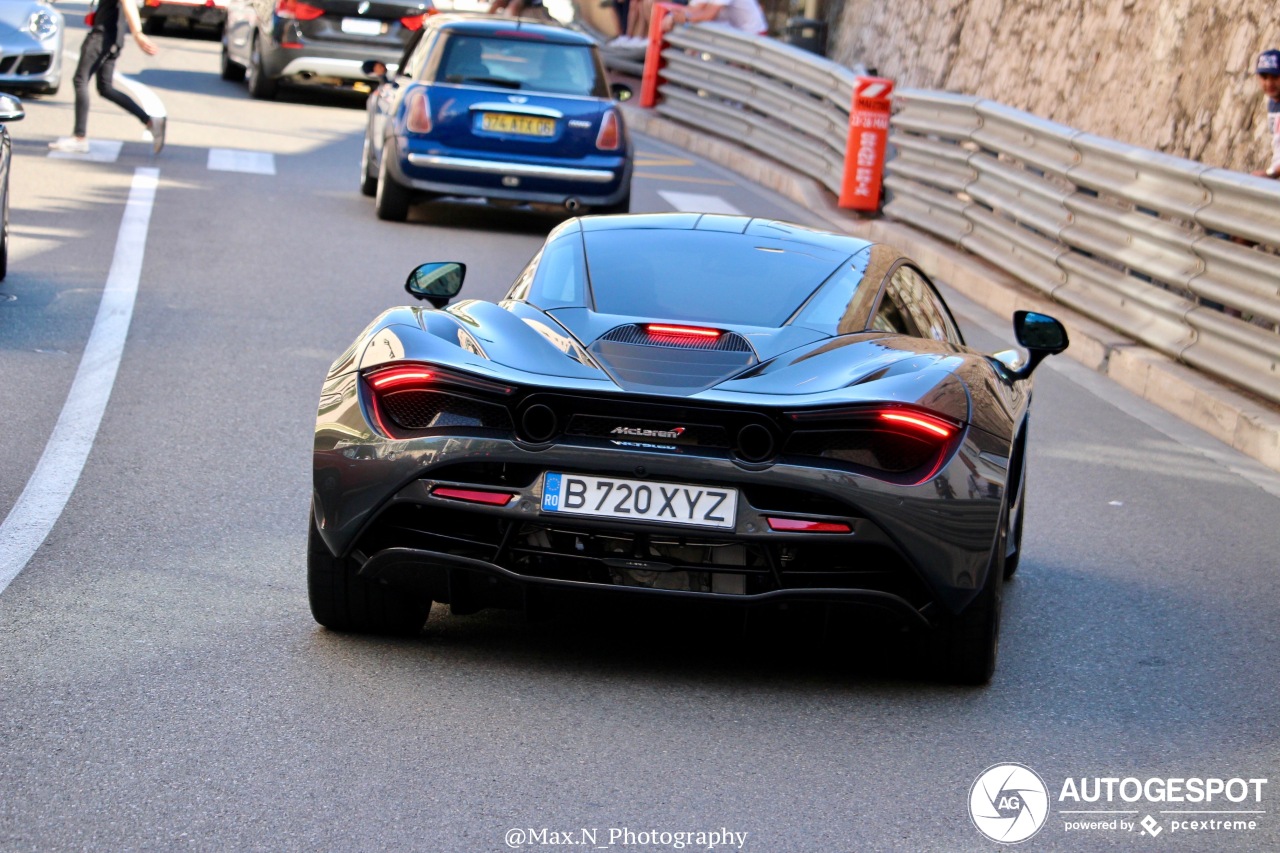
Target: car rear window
{"points": [[704, 276], [564, 69]]}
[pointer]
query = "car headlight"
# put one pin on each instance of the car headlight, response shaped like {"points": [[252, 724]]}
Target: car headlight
{"points": [[42, 25]]}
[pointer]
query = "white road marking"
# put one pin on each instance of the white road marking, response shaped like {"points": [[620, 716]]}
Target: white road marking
{"points": [[100, 151], [233, 160], [56, 474], [697, 203]]}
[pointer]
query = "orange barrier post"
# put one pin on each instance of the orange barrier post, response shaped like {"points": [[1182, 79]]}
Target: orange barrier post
{"points": [[868, 138], [653, 54]]}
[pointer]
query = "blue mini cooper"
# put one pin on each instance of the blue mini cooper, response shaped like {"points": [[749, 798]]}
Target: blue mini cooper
{"points": [[501, 109]]}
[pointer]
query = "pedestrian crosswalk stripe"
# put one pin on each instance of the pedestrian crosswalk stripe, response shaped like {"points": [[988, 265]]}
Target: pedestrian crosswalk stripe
{"points": [[100, 151], [697, 203], [234, 160]]}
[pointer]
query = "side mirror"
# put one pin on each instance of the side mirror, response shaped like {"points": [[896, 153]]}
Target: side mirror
{"points": [[1041, 335], [10, 109], [437, 283], [374, 68], [620, 91]]}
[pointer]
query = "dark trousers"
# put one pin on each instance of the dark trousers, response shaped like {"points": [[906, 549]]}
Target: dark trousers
{"points": [[99, 59]]}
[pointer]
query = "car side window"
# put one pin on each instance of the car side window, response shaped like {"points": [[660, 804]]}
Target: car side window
{"points": [[416, 55], [910, 306], [922, 304], [892, 315], [560, 278]]}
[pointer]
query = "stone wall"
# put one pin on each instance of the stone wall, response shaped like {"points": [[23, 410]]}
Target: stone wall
{"points": [[1172, 75]]}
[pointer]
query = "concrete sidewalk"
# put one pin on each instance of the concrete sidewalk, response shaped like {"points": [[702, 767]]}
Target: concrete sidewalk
{"points": [[1249, 425]]}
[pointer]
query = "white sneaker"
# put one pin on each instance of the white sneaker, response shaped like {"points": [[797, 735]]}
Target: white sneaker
{"points": [[70, 145]]}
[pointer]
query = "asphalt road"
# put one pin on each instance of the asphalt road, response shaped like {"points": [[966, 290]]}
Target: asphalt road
{"points": [[162, 684]]}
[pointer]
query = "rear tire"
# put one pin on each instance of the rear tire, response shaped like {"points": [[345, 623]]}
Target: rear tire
{"points": [[341, 600], [4, 232], [260, 85], [969, 642], [1015, 543], [229, 69], [368, 182], [391, 201]]}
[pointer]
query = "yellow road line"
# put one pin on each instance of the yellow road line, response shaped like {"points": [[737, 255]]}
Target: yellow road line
{"points": [[684, 179]]}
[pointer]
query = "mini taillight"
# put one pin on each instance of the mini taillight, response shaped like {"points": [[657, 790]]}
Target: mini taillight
{"points": [[418, 119], [474, 496], [664, 330], [610, 136], [804, 525]]}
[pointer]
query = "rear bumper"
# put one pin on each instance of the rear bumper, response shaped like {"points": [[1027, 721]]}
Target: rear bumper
{"points": [[593, 183], [320, 63], [460, 581]]}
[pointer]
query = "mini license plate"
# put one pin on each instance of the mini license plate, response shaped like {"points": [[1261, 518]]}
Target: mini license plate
{"points": [[519, 125], [361, 27], [641, 500]]}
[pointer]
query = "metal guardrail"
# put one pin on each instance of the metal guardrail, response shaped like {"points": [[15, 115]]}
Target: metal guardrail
{"points": [[782, 101], [1178, 255]]}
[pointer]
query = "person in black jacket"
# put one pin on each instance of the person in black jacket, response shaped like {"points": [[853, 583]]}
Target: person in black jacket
{"points": [[98, 55]]}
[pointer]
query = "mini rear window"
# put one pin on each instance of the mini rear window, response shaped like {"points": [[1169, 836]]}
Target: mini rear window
{"points": [[523, 64], [704, 276]]}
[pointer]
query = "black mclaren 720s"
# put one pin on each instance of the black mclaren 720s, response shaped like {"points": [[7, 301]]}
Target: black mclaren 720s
{"points": [[684, 405]]}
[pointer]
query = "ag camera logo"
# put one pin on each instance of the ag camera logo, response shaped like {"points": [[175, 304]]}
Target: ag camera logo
{"points": [[1008, 803]]}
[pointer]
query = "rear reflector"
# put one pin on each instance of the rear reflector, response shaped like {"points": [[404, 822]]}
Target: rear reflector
{"points": [[473, 496], [801, 525], [307, 12]]}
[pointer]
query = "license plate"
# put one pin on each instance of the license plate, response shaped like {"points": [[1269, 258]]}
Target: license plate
{"points": [[361, 27], [641, 500], [519, 125]]}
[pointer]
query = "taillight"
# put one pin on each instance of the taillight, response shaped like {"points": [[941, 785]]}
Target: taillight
{"points": [[610, 136], [297, 9], [418, 119], [415, 22], [406, 397], [899, 443]]}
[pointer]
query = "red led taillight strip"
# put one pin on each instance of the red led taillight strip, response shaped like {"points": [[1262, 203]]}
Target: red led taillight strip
{"points": [[920, 422], [666, 331]]}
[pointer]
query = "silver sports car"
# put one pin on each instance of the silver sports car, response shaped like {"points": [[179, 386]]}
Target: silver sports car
{"points": [[31, 37]]}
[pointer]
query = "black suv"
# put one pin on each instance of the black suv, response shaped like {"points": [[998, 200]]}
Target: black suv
{"points": [[317, 42]]}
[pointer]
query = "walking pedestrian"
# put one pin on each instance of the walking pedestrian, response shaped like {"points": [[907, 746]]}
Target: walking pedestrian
{"points": [[1268, 71], [98, 54]]}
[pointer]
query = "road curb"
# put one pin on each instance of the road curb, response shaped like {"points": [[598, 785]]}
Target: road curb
{"points": [[1246, 424]]}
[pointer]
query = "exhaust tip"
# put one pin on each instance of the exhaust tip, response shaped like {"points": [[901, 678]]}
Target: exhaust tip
{"points": [[539, 423], [755, 443], [572, 205]]}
